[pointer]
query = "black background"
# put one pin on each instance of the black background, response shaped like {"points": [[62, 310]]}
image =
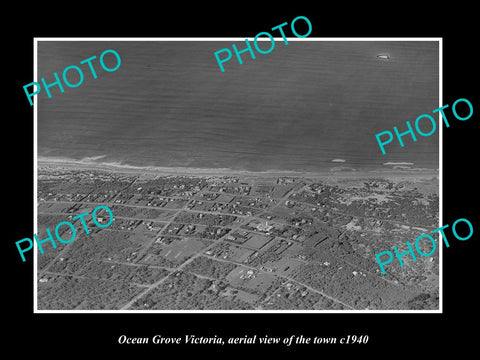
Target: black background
{"points": [[89, 334]]}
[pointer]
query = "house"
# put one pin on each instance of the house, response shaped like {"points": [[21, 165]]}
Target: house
{"points": [[265, 228]]}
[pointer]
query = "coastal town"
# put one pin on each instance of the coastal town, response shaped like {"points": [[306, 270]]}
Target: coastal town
{"points": [[237, 242]]}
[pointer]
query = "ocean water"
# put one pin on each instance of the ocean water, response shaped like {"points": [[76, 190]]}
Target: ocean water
{"points": [[297, 108]]}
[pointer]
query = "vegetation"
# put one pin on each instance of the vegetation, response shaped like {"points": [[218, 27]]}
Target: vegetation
{"points": [[65, 293], [210, 267], [324, 237], [185, 291]]}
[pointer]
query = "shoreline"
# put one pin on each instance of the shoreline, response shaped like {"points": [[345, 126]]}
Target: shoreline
{"points": [[183, 171]]}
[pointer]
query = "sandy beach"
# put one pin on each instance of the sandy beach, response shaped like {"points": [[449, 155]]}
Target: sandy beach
{"points": [[394, 175]]}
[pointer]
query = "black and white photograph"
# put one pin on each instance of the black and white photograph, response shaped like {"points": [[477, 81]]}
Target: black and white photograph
{"points": [[222, 180]]}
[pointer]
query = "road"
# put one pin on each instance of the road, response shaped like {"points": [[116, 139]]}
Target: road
{"points": [[236, 225]]}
